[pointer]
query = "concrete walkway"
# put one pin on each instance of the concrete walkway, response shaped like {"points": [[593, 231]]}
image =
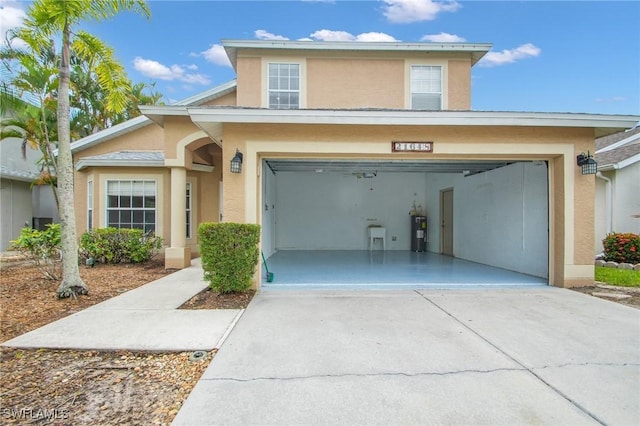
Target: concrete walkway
{"points": [[144, 319], [498, 356]]}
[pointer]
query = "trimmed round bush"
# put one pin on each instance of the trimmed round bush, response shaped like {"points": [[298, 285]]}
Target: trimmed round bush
{"points": [[229, 253]]}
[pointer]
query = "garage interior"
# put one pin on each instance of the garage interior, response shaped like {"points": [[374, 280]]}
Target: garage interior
{"points": [[485, 223]]}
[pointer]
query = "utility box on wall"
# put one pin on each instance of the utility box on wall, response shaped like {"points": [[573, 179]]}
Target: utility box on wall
{"points": [[418, 233]]}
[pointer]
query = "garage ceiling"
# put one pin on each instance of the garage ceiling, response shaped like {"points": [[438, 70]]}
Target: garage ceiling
{"points": [[466, 167]]}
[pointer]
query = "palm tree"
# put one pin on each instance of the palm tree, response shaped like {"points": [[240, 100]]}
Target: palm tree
{"points": [[27, 103], [48, 19]]}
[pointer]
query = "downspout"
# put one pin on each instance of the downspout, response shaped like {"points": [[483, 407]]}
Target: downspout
{"points": [[609, 201]]}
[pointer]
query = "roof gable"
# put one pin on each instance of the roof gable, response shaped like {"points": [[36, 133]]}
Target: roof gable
{"points": [[142, 121]]}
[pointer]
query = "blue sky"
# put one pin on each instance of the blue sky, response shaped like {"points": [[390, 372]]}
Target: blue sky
{"points": [[572, 56]]}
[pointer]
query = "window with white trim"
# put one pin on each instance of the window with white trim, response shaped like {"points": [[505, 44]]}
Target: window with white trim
{"points": [[284, 86], [89, 205], [131, 204], [189, 218], [426, 87]]}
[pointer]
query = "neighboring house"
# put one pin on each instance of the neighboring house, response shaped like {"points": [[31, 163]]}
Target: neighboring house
{"points": [[21, 204], [618, 184], [336, 136]]}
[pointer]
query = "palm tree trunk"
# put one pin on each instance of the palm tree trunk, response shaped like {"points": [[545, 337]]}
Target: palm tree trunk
{"points": [[72, 283]]}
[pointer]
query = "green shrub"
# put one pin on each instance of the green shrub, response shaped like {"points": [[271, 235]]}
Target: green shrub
{"points": [[43, 249], [229, 254], [622, 247], [115, 245]]}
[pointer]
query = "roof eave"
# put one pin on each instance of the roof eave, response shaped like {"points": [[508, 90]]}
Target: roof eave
{"points": [[110, 133], [157, 113], [83, 163], [411, 117], [18, 177], [476, 50], [209, 95]]}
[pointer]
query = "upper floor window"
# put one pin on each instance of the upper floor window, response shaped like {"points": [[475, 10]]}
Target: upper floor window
{"points": [[131, 204], [426, 87], [284, 86]]}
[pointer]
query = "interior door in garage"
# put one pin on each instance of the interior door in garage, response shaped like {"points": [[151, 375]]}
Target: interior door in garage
{"points": [[446, 213]]}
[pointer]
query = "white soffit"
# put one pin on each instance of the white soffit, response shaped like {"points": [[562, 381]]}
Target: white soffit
{"points": [[410, 118], [476, 50]]}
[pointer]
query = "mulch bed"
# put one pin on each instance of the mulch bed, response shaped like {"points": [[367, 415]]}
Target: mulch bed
{"points": [[90, 387]]}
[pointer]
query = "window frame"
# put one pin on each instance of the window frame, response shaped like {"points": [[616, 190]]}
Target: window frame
{"points": [[440, 92], [189, 212], [283, 91], [302, 75], [90, 194], [131, 206]]}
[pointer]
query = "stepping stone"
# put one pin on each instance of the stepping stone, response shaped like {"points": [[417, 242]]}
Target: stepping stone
{"points": [[611, 295]]}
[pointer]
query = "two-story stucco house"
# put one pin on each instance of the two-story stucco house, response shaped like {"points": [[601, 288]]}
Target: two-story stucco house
{"points": [[334, 137]]}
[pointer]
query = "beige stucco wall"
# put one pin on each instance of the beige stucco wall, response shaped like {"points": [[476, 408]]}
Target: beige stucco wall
{"points": [[99, 177], [228, 100], [205, 185], [353, 83], [571, 193], [459, 85], [147, 138], [249, 91], [354, 79]]}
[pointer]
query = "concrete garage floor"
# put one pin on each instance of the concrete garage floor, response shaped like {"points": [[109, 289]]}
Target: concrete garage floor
{"points": [[495, 356], [383, 270]]}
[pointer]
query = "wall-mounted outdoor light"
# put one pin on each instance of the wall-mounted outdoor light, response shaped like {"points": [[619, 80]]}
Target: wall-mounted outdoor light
{"points": [[588, 164], [236, 162]]}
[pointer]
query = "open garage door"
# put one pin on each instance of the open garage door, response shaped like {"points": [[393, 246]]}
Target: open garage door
{"points": [[318, 213]]}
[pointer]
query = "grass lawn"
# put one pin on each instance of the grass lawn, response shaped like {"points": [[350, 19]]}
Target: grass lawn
{"points": [[621, 277]]}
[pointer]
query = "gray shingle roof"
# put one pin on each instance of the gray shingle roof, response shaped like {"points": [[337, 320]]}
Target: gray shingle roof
{"points": [[123, 159], [21, 175], [607, 157], [129, 156]]}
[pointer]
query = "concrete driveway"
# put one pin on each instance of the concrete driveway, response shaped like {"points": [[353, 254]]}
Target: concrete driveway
{"points": [[500, 356]]}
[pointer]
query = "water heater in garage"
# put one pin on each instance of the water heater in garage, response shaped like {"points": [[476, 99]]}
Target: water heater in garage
{"points": [[418, 233]]}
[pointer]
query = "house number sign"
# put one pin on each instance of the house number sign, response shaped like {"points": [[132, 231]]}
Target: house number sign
{"points": [[401, 146]]}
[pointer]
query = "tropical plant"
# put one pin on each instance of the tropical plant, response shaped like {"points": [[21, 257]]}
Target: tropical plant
{"points": [[49, 19], [28, 107], [119, 245], [42, 248]]}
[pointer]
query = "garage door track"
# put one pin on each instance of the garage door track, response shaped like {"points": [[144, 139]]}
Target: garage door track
{"points": [[500, 356]]}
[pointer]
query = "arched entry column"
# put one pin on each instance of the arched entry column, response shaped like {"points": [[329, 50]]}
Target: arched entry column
{"points": [[178, 255]]}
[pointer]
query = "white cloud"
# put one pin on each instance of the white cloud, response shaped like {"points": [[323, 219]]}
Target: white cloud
{"points": [[374, 37], [611, 99], [443, 38], [154, 69], [407, 11], [216, 55], [265, 35], [11, 16], [509, 56], [329, 35]]}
